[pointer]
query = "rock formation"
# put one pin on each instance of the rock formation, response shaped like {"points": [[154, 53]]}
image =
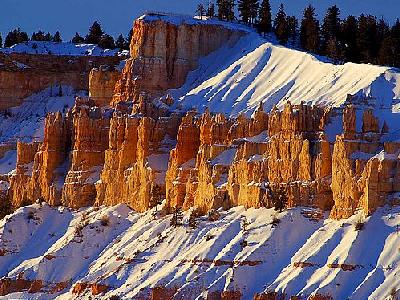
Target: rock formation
{"points": [[102, 82], [163, 53], [125, 145], [22, 75]]}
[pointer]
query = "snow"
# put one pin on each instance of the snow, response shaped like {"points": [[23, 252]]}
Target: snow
{"points": [[64, 48], [26, 122], [8, 162], [137, 251], [179, 19], [234, 80], [4, 185], [225, 158]]}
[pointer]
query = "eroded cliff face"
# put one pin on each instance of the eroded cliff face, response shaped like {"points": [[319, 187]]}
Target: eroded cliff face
{"points": [[109, 151], [22, 75], [136, 161], [163, 53], [249, 161], [102, 82], [365, 169]]}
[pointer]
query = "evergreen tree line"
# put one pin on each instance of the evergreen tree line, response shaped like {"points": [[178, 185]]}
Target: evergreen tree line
{"points": [[363, 39], [96, 35]]}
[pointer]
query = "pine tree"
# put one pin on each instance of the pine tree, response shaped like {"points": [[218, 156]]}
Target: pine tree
{"points": [[281, 26], [366, 38], [230, 10], [387, 52], [106, 42], [244, 10], [211, 10], [192, 220], [48, 37], [349, 31], [1, 42], [77, 39], [334, 50], [38, 36], [331, 26], [120, 42], [280, 199], [265, 17], [254, 5], [15, 36], [309, 31], [248, 10], [95, 34], [293, 26], [226, 10], [201, 11], [395, 35], [128, 40], [57, 37]]}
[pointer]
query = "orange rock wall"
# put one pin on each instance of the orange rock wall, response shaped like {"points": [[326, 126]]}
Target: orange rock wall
{"points": [[162, 54], [43, 71]]}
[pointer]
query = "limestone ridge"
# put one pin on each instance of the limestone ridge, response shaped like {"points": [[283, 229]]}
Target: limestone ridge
{"points": [[125, 145]]}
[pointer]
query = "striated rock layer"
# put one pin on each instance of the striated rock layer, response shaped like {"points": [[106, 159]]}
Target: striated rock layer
{"points": [[250, 161], [22, 75], [139, 152], [163, 53]]}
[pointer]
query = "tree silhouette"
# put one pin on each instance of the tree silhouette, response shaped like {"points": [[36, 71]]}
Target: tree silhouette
{"points": [[95, 34], [265, 17], [309, 30], [281, 26], [77, 39]]}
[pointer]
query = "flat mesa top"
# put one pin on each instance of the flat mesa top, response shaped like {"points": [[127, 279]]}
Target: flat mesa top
{"points": [[178, 19]]}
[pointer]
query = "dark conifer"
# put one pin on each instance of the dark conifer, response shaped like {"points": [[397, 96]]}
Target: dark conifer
{"points": [[120, 42], [95, 34], [309, 31], [77, 39], [57, 37], [15, 36], [281, 26], [265, 17], [211, 10], [331, 25], [348, 34], [366, 38], [106, 42], [293, 27], [200, 11]]}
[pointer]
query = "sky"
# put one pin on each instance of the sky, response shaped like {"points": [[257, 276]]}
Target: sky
{"points": [[116, 16]]}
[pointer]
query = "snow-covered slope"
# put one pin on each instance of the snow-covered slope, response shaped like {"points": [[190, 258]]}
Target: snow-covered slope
{"points": [[64, 48], [234, 80], [131, 253]]}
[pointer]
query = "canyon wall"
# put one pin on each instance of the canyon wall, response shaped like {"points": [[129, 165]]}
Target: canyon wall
{"points": [[22, 75], [163, 53], [108, 150]]}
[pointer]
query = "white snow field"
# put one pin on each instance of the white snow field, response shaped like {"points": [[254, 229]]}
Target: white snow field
{"points": [[236, 79], [136, 252]]}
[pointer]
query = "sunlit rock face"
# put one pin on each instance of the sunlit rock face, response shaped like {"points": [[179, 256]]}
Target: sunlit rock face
{"points": [[125, 144], [22, 75], [163, 53]]}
